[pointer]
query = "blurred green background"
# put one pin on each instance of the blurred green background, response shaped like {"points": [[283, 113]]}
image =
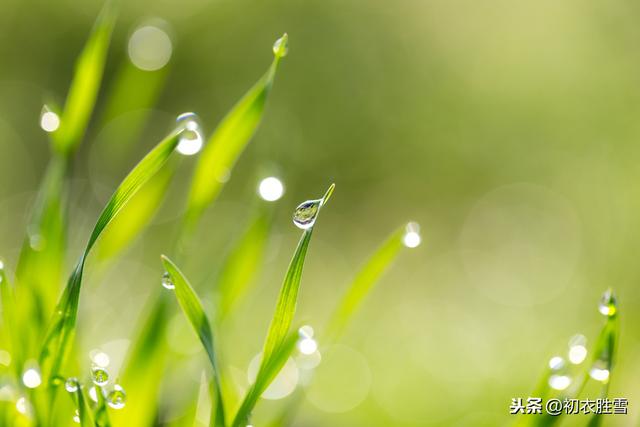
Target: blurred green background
{"points": [[508, 130]]}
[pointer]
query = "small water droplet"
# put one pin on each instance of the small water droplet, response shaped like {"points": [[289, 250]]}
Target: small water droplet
{"points": [[559, 382], [71, 385], [191, 137], [306, 331], [49, 120], [22, 405], [76, 417], [577, 349], [37, 242], [93, 393], [99, 376], [412, 238], [556, 363], [1, 264], [117, 397], [281, 46], [608, 305], [306, 213], [600, 371], [167, 282]]}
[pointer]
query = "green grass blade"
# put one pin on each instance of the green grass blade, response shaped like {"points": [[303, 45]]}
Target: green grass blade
{"points": [[364, 281], [278, 341], [84, 412], [228, 141], [193, 310], [84, 88], [62, 326], [242, 263], [7, 298], [268, 371]]}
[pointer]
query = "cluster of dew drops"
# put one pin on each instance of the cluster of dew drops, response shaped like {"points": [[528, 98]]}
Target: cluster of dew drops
{"points": [[116, 398]]}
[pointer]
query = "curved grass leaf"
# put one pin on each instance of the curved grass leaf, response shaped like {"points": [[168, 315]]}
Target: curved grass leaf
{"points": [[62, 326], [228, 141], [192, 309], [278, 341], [84, 412], [84, 88], [7, 298], [268, 371], [364, 281]]}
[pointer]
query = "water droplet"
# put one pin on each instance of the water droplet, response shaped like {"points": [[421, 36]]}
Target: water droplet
{"points": [[608, 305], [412, 238], [307, 346], [22, 405], [31, 378], [76, 417], [71, 385], [559, 382], [556, 363], [99, 376], [167, 282], [600, 371], [271, 189], [306, 331], [191, 137], [150, 48], [49, 121], [306, 213], [37, 242], [281, 46], [116, 397], [577, 349], [1, 264]]}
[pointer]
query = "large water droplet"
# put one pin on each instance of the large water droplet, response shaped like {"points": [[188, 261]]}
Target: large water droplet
{"points": [[71, 385], [608, 305], [117, 397], [191, 137], [167, 282], [49, 120], [306, 213], [600, 371], [99, 376], [281, 46]]}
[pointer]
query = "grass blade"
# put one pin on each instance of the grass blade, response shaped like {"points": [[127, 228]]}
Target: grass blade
{"points": [[278, 340], [84, 88], [192, 309], [229, 140], [243, 262], [364, 281], [62, 326]]}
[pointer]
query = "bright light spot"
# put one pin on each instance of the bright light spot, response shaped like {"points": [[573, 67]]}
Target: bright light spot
{"points": [[411, 238], [599, 374], [1, 265], [271, 189], [307, 346], [76, 417], [559, 382], [31, 378], [22, 406], [93, 394], [5, 358], [283, 385], [100, 358], [150, 48], [577, 354], [49, 121], [556, 362]]}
